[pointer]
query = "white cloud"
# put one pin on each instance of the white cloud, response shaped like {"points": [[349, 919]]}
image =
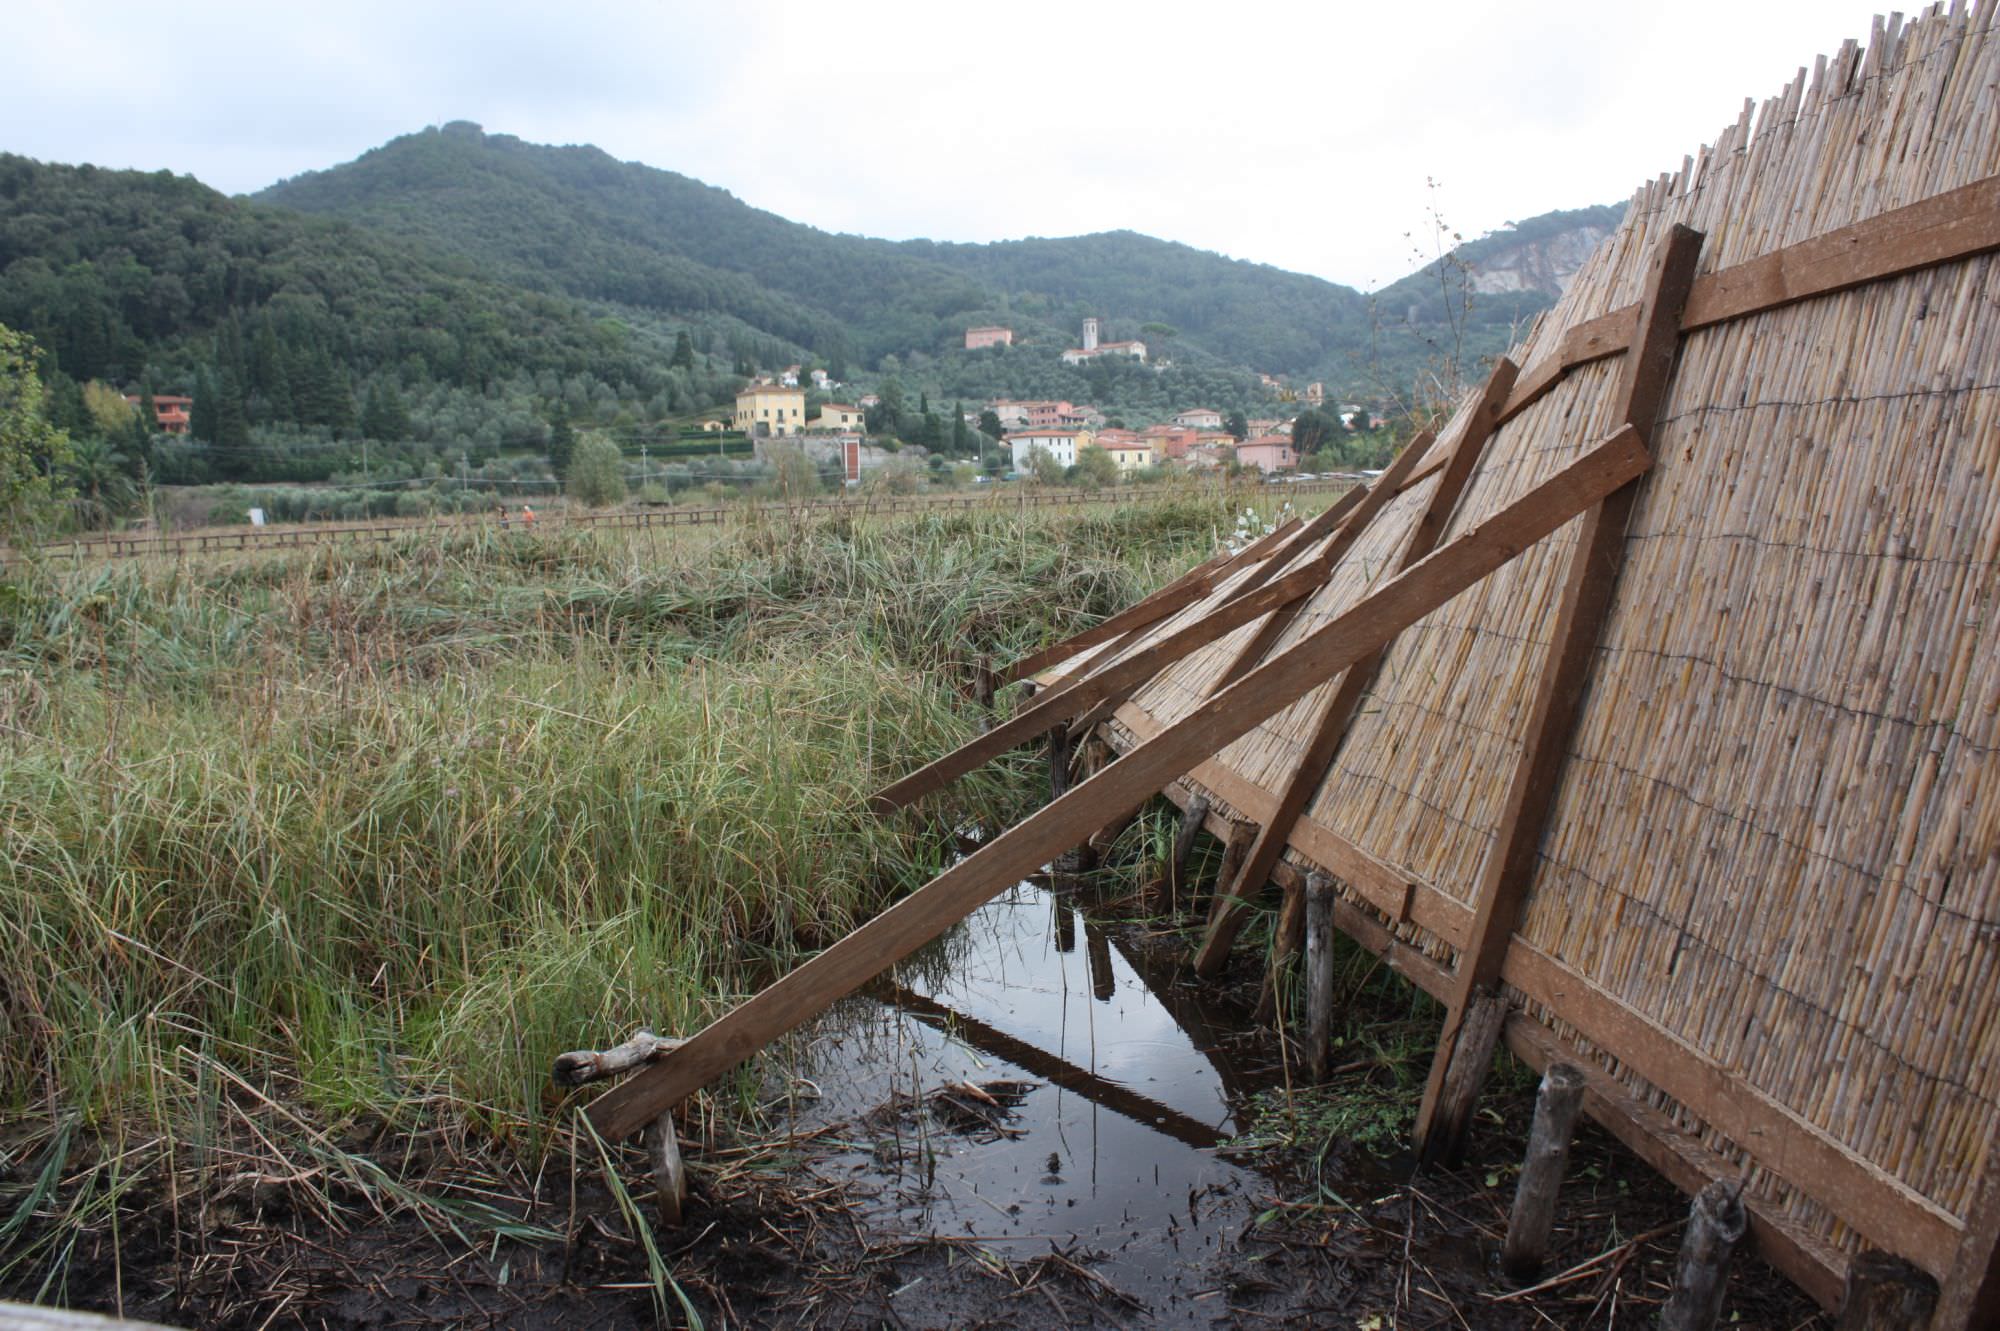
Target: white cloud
{"points": [[1294, 134]]}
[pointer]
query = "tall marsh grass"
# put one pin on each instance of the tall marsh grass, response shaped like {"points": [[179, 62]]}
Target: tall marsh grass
{"points": [[405, 822]]}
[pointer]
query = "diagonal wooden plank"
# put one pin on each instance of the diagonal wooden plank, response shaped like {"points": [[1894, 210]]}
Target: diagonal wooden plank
{"points": [[1117, 789], [1368, 501], [1136, 621], [1045, 712], [1330, 730], [1565, 671]]}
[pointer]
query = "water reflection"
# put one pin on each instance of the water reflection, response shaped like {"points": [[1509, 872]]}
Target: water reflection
{"points": [[1112, 1152]]}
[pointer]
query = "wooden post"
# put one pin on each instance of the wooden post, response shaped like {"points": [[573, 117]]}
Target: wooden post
{"points": [[1233, 851], [1557, 1104], [1565, 672], [1970, 1299], [1059, 756], [1175, 750], [983, 682], [1886, 1293], [1319, 973], [1175, 877], [1716, 1222], [1286, 941], [669, 1174], [1478, 1036]]}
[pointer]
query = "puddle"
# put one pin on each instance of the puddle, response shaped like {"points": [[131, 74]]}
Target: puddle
{"points": [[1109, 1153]]}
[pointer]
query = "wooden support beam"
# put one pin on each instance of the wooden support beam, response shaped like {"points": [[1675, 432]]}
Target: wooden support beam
{"points": [[1886, 1293], [1565, 672], [1970, 1297], [1059, 705], [1174, 878], [814, 985], [1309, 771], [1134, 622], [1944, 228], [1334, 521]]}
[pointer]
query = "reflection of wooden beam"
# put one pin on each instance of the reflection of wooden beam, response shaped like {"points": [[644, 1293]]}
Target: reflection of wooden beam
{"points": [[1119, 1099], [1124, 785], [1190, 1007], [1592, 578]]}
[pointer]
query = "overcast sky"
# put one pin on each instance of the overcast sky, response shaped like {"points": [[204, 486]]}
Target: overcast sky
{"points": [[1300, 134]]}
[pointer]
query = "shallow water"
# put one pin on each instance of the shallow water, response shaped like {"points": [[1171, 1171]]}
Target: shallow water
{"points": [[1111, 1155]]}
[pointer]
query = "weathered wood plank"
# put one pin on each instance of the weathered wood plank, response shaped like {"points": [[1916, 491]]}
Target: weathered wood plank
{"points": [[1564, 673], [1059, 705], [1125, 784], [1970, 1295]]}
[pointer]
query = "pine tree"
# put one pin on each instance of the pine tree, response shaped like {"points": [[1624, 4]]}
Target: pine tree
{"points": [[961, 438], [683, 352], [562, 441], [202, 415], [384, 416]]}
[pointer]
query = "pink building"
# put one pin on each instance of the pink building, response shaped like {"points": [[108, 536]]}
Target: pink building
{"points": [[975, 338], [1268, 453]]}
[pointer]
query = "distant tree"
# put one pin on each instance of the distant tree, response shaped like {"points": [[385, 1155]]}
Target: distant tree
{"points": [[1360, 422], [110, 414], [562, 441], [1042, 465], [96, 472], [1238, 425], [596, 473], [201, 416], [989, 424], [32, 452], [384, 416], [1096, 468], [961, 437], [1310, 429], [683, 358]]}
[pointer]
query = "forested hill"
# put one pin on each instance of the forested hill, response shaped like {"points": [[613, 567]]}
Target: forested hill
{"points": [[576, 218], [289, 330]]}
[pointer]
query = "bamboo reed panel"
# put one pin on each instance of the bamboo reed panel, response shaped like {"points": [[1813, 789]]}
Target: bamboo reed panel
{"points": [[1778, 834]]}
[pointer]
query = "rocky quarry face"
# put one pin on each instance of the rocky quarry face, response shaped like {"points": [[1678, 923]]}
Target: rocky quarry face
{"points": [[1545, 265]]}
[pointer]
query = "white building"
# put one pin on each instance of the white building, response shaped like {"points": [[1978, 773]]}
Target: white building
{"points": [[1061, 444]]}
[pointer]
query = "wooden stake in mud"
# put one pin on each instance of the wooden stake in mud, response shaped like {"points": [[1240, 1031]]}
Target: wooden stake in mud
{"points": [[1716, 1222], [1557, 1104], [1319, 973], [1175, 877], [1233, 851], [1177, 749], [581, 1066], [1886, 1293]]}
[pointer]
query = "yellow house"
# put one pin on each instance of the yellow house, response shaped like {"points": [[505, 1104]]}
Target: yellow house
{"points": [[766, 411], [840, 416], [1132, 456]]}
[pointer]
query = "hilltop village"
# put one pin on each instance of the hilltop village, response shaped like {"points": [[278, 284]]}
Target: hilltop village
{"points": [[1047, 439]]}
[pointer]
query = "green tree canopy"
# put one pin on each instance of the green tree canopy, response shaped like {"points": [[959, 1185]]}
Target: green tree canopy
{"points": [[32, 451], [596, 472]]}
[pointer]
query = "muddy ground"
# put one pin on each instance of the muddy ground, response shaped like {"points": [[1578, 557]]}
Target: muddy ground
{"points": [[873, 1211]]}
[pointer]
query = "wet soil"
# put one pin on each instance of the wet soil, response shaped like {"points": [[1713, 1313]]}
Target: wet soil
{"points": [[1041, 1121]]}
